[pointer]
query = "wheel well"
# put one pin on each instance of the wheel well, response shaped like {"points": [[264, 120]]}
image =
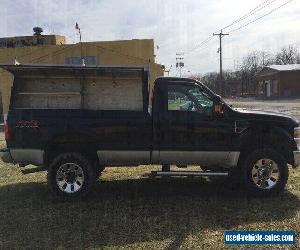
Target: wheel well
{"points": [[276, 138], [65, 145]]}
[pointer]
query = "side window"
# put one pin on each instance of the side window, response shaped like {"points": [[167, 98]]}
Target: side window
{"points": [[180, 101], [189, 98]]}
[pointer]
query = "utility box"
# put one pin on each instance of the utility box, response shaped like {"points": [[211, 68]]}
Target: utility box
{"points": [[79, 87]]}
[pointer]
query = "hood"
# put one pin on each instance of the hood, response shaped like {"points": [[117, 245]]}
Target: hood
{"points": [[267, 116]]}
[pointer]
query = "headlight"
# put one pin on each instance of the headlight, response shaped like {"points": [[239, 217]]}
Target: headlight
{"points": [[297, 136]]}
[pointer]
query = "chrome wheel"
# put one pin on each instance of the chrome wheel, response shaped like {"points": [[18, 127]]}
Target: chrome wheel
{"points": [[70, 178], [265, 173]]}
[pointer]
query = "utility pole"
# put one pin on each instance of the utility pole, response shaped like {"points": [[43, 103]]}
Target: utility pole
{"points": [[221, 87], [179, 62], [263, 58]]}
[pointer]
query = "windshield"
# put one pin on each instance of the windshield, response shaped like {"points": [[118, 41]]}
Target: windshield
{"points": [[201, 97]]}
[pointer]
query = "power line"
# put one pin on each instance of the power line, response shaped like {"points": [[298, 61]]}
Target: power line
{"points": [[270, 12], [71, 36], [120, 53], [45, 55], [73, 45], [200, 45], [251, 12], [205, 42], [53, 52], [25, 55]]}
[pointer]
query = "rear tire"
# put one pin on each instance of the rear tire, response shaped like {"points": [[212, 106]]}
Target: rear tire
{"points": [[71, 176], [264, 172]]}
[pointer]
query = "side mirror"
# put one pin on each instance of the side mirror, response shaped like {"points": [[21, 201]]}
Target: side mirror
{"points": [[218, 108], [218, 105]]}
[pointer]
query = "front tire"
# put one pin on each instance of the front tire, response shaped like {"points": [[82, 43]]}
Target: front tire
{"points": [[264, 172], [71, 176]]}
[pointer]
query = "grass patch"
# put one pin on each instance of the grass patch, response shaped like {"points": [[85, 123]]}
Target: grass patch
{"points": [[129, 210]]}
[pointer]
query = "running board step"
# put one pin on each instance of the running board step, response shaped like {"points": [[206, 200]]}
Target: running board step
{"points": [[189, 173], [32, 170]]}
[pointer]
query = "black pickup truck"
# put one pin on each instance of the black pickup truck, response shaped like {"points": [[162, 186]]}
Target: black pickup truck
{"points": [[75, 120]]}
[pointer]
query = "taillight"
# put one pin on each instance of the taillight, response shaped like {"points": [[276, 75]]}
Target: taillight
{"points": [[297, 136], [6, 129]]}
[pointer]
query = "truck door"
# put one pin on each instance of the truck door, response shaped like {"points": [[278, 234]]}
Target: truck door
{"points": [[190, 133]]}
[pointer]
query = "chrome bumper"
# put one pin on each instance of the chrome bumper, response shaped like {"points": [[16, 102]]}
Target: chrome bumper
{"points": [[296, 158], [5, 155]]}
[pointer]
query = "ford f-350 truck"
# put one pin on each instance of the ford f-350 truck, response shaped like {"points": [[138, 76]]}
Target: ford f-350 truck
{"points": [[75, 120]]}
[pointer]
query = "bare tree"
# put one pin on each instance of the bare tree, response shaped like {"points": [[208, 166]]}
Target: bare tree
{"points": [[251, 64], [243, 81], [211, 80], [298, 58], [287, 55]]}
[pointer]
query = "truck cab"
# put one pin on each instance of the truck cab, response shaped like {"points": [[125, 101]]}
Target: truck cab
{"points": [[74, 121], [192, 124]]}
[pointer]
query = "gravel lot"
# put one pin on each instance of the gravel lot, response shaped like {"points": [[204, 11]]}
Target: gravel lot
{"points": [[290, 107]]}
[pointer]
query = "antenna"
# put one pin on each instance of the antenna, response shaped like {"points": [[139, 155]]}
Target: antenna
{"points": [[79, 31]]}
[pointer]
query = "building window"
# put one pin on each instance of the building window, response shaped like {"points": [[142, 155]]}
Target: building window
{"points": [[275, 86], [77, 60]]}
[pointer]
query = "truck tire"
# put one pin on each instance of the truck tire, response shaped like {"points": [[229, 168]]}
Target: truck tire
{"points": [[71, 176], [264, 172]]}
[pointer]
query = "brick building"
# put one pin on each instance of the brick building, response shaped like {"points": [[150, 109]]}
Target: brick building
{"points": [[279, 81]]}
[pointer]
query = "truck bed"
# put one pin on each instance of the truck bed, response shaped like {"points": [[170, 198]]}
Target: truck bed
{"points": [[34, 128], [99, 108]]}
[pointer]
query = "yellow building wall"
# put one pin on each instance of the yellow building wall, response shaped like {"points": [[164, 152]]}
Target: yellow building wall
{"points": [[22, 41], [126, 52]]}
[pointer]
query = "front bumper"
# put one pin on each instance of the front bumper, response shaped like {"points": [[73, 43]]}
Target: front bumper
{"points": [[5, 155], [296, 158]]}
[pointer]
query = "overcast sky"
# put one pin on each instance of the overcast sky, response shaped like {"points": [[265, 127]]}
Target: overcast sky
{"points": [[175, 25]]}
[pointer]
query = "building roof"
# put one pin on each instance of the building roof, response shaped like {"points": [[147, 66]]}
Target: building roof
{"points": [[274, 69], [286, 67], [64, 70]]}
